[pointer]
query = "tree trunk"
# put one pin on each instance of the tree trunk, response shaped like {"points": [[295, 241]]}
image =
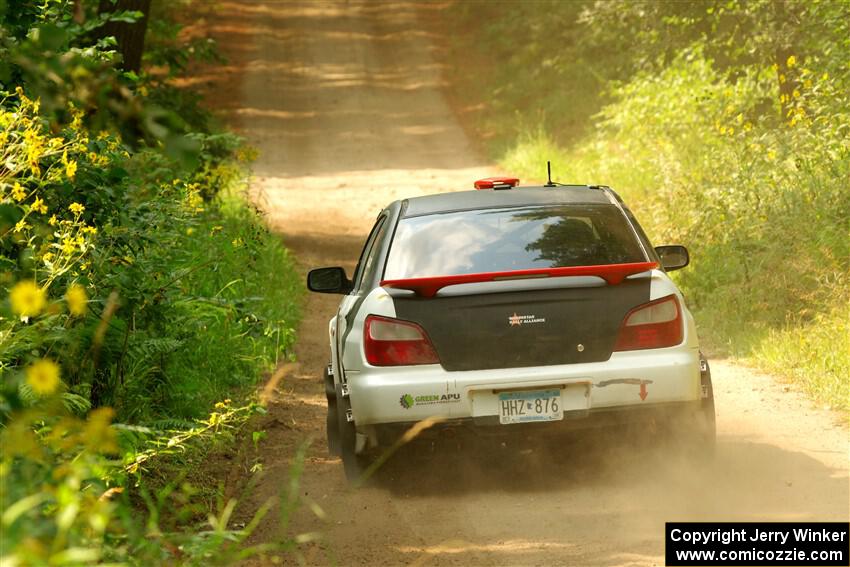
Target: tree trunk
{"points": [[130, 37]]}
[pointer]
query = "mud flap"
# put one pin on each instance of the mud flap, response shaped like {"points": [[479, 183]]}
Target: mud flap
{"points": [[332, 420], [353, 462], [693, 434], [707, 428]]}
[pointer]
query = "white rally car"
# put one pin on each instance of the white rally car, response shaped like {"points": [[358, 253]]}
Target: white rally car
{"points": [[510, 307]]}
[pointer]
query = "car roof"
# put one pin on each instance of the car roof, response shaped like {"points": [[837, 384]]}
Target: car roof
{"points": [[498, 198]]}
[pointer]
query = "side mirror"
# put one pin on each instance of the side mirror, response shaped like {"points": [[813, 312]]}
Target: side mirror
{"points": [[328, 280], [673, 257]]}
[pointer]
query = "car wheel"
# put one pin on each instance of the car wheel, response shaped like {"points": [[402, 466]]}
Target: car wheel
{"points": [[332, 420], [354, 464]]}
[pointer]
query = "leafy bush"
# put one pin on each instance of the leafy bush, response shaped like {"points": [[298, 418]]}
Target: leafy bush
{"points": [[151, 299], [136, 285]]}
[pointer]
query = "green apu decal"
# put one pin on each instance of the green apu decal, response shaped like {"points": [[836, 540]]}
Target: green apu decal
{"points": [[407, 401]]}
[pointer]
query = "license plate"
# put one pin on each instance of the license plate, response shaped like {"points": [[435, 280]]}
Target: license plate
{"points": [[530, 405]]}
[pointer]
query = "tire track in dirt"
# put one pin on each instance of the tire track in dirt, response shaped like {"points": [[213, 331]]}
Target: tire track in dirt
{"points": [[343, 101]]}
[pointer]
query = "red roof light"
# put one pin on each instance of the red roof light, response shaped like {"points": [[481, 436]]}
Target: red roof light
{"points": [[497, 183]]}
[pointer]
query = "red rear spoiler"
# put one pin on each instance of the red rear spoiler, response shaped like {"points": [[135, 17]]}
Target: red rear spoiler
{"points": [[611, 273]]}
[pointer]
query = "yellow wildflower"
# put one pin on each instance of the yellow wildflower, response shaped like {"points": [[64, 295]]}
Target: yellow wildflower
{"points": [[21, 225], [194, 200], [77, 300], [76, 208], [53, 220], [825, 76], [68, 246], [47, 258], [90, 229], [71, 169], [781, 79], [771, 155], [39, 206], [43, 376], [796, 93], [77, 120], [27, 299], [807, 83], [34, 144], [791, 61], [18, 192]]}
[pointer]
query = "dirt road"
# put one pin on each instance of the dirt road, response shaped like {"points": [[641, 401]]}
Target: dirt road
{"points": [[343, 101]]}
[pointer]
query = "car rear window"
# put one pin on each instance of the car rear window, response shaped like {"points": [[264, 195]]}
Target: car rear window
{"points": [[496, 240]]}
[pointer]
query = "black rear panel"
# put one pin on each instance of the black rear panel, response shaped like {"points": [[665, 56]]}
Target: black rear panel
{"points": [[525, 328]]}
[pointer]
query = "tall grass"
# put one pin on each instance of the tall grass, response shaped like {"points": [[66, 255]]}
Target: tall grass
{"points": [[230, 307]]}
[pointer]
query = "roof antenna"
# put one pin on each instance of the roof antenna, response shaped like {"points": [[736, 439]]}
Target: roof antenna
{"points": [[549, 169]]}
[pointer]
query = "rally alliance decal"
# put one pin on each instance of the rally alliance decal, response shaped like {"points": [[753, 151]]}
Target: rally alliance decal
{"points": [[518, 320], [407, 401]]}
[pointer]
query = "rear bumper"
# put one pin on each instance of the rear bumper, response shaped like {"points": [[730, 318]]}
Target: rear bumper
{"points": [[627, 380]]}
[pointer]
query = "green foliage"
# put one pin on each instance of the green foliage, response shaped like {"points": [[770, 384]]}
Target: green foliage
{"points": [[183, 299], [67, 500], [136, 284], [725, 126]]}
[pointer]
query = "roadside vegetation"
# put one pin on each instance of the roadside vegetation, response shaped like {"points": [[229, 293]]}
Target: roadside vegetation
{"points": [[725, 125], [141, 296]]}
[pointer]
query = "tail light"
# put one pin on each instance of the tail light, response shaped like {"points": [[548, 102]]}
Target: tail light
{"points": [[656, 324], [390, 342]]}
